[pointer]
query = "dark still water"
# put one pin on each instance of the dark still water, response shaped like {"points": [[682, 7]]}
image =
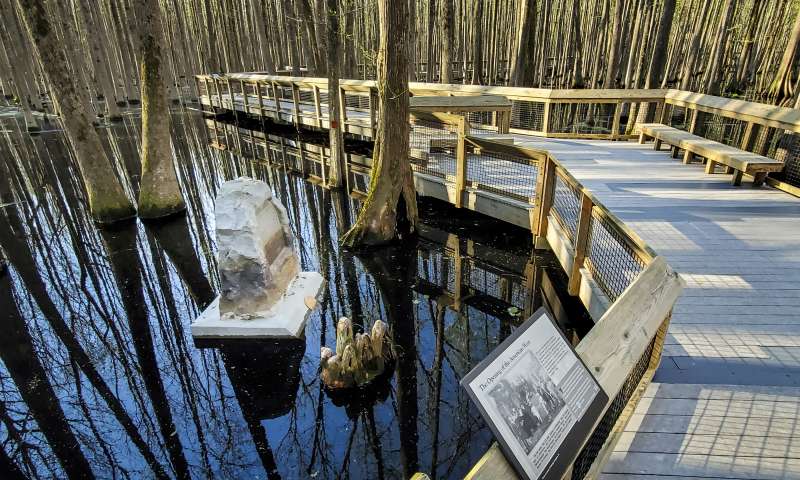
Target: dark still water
{"points": [[100, 376]]}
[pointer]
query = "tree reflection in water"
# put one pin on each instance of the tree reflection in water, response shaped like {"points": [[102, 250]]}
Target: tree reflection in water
{"points": [[99, 375]]}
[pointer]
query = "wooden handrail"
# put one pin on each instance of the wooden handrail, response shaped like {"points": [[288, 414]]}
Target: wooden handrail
{"points": [[747, 111]]}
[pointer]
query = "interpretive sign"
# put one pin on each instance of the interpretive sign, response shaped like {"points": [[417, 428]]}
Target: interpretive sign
{"points": [[538, 398]]}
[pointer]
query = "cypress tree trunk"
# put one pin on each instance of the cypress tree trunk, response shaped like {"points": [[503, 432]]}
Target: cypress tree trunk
{"points": [[108, 201], [336, 138], [522, 72], [477, 44], [715, 69], [658, 58], [613, 50], [445, 19], [782, 87], [391, 197], [159, 192]]}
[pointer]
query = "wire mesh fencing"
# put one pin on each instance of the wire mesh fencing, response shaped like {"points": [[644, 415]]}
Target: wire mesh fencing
{"points": [[612, 261], [501, 173], [527, 115], [588, 455], [582, 118], [432, 148], [566, 205]]}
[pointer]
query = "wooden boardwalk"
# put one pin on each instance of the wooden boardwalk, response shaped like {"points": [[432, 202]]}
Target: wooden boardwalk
{"points": [[725, 402]]}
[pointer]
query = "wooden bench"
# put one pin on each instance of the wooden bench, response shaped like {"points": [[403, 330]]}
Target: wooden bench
{"points": [[738, 161]]}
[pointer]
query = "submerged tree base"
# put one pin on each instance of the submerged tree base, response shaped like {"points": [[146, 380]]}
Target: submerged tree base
{"points": [[153, 209], [112, 214]]}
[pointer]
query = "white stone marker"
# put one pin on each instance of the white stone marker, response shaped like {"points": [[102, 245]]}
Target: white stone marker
{"points": [[263, 293]]}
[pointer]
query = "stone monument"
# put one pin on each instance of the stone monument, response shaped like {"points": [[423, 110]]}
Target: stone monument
{"points": [[263, 292]]}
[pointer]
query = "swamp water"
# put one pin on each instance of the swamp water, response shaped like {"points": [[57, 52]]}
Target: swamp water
{"points": [[100, 376]]}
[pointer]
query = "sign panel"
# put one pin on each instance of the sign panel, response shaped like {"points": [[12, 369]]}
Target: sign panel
{"points": [[537, 396]]}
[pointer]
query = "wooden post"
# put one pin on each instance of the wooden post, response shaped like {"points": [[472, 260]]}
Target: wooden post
{"points": [[661, 110], [317, 106], [232, 100], [276, 95], [711, 166], [581, 243], [219, 94], [458, 273], [544, 199], [243, 86], [461, 161], [343, 109], [693, 122], [546, 119], [373, 110], [666, 114], [615, 122], [749, 137], [296, 102], [260, 101], [503, 121]]}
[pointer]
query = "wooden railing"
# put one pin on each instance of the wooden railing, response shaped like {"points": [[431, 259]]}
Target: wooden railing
{"points": [[628, 289], [600, 113]]}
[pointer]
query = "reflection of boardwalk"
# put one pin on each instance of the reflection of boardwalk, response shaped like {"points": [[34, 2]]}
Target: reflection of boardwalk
{"points": [[727, 405], [491, 172]]}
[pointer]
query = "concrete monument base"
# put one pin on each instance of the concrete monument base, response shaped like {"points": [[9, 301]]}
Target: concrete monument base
{"points": [[286, 318]]}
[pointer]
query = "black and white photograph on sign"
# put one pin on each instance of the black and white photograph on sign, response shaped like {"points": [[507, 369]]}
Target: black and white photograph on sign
{"points": [[528, 400], [537, 396]]}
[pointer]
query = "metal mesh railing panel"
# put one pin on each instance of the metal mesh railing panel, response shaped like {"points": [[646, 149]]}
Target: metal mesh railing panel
{"points": [[481, 122], [722, 129], [359, 181], [610, 259], [507, 175], [527, 115], [582, 118], [595, 443], [437, 266], [306, 96], [787, 150], [566, 205], [356, 101], [481, 279], [432, 149]]}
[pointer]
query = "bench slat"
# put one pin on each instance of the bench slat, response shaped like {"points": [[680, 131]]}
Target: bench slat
{"points": [[733, 157]]}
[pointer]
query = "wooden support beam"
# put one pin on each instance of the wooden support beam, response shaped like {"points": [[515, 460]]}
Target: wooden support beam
{"points": [[461, 161], [548, 175], [546, 119], [276, 95], [296, 104], [581, 243], [616, 120], [736, 180], [342, 109], [318, 106], [260, 101], [373, 110], [750, 135], [243, 86]]}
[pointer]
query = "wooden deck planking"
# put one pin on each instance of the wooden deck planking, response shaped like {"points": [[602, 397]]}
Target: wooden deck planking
{"points": [[733, 351]]}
